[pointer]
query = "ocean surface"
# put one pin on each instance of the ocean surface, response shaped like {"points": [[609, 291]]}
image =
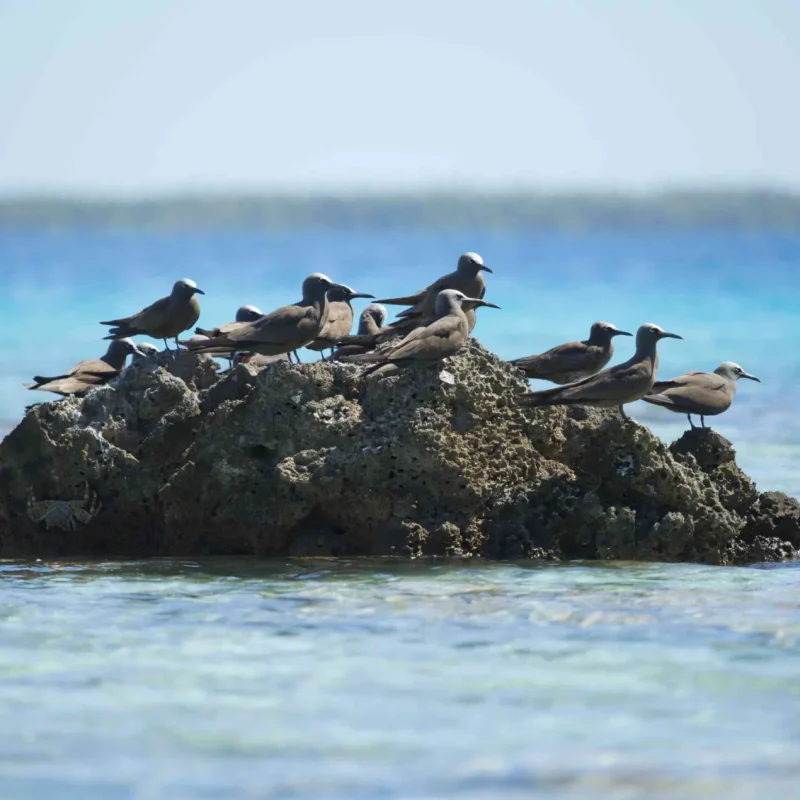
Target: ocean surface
{"points": [[730, 295], [331, 679], [371, 680]]}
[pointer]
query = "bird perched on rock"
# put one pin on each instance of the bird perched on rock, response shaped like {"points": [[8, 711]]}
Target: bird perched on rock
{"points": [[164, 319], [340, 318], [368, 335], [88, 374], [367, 342], [466, 279], [703, 393], [372, 319], [281, 331], [441, 337], [573, 361], [144, 350], [616, 386], [243, 314]]}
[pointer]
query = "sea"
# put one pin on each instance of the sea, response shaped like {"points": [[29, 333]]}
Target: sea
{"points": [[381, 679]]}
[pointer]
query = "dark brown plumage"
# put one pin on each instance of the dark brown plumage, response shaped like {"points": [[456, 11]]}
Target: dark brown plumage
{"points": [[164, 319], [573, 361]]}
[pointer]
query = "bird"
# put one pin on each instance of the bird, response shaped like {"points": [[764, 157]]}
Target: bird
{"points": [[367, 342], [246, 313], [243, 314], [466, 279], [443, 336], [144, 350], [613, 387], [89, 373], [284, 330], [573, 361], [165, 318], [372, 319], [368, 335], [340, 318], [703, 393]]}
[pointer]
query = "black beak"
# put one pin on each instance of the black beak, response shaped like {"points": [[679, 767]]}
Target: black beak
{"points": [[750, 377], [485, 268], [361, 294], [666, 335], [198, 291], [621, 333]]}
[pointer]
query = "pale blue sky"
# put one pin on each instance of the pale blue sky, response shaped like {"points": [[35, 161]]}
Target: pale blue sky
{"points": [[142, 95]]}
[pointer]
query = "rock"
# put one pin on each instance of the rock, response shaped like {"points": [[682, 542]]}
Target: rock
{"points": [[313, 460], [775, 515]]}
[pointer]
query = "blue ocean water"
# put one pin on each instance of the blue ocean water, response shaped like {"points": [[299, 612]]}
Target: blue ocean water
{"points": [[729, 294], [334, 680]]}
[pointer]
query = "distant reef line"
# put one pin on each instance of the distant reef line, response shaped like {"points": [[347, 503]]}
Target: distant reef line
{"points": [[746, 209]]}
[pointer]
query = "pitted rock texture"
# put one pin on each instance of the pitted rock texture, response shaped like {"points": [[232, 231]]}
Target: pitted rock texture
{"points": [[314, 460]]}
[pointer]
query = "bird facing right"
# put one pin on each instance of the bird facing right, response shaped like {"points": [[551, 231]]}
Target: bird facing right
{"points": [[573, 361], [705, 394], [613, 387]]}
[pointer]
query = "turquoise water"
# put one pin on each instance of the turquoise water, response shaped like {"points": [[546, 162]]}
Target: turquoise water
{"points": [[380, 679], [729, 294]]}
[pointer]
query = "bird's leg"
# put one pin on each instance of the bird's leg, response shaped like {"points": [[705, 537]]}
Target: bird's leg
{"points": [[297, 357], [625, 417], [702, 420], [689, 417], [166, 344]]}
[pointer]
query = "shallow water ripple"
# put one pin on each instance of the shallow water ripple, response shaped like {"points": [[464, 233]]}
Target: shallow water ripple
{"points": [[339, 679]]}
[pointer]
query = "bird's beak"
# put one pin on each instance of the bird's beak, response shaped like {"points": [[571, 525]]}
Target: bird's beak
{"points": [[485, 268], [666, 335], [477, 303], [360, 294], [618, 332], [750, 377], [199, 291]]}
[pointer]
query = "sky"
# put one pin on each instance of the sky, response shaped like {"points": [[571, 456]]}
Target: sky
{"points": [[149, 96]]}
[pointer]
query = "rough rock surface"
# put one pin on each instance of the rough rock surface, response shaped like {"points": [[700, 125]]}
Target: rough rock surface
{"points": [[314, 460]]}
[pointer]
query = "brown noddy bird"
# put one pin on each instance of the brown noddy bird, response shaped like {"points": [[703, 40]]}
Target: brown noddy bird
{"points": [[367, 337], [466, 279], [282, 331], [443, 336], [144, 350], [340, 318], [573, 361], [367, 342], [703, 393], [165, 318], [243, 314], [616, 386], [88, 373]]}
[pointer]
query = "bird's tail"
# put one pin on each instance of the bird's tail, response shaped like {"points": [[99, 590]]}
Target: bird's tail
{"points": [[121, 331], [38, 380], [400, 301], [546, 397]]}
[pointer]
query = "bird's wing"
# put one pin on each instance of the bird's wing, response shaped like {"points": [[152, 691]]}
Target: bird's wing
{"points": [[699, 392], [564, 358], [277, 327], [69, 385], [422, 301], [440, 339], [409, 300], [145, 316]]}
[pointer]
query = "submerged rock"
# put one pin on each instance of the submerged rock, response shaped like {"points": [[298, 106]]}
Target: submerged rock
{"points": [[313, 460]]}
